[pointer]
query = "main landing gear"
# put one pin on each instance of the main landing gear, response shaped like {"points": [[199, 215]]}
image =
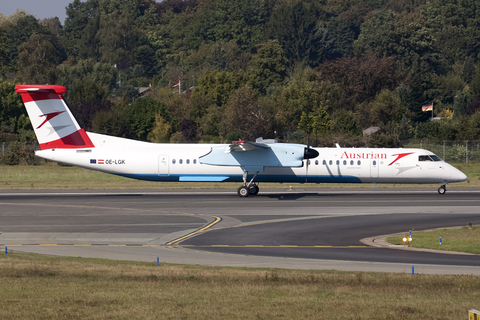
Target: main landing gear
{"points": [[442, 189], [250, 189]]}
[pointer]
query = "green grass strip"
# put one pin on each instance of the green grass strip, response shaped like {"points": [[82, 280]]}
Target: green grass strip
{"points": [[465, 239]]}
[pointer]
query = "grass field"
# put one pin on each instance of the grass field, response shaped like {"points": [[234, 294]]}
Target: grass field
{"points": [[43, 287], [54, 176]]}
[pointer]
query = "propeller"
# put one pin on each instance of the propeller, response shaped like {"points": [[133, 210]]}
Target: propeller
{"points": [[308, 154]]}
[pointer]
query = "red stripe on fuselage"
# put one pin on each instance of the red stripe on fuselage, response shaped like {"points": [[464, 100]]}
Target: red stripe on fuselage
{"points": [[76, 140]]}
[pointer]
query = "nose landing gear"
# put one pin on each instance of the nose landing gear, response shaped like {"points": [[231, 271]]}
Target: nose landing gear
{"points": [[442, 189]]}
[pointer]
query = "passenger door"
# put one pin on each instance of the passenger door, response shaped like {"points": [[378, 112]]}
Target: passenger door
{"points": [[163, 166], [374, 168]]}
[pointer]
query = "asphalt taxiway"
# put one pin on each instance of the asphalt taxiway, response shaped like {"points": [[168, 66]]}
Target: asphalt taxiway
{"points": [[299, 228]]}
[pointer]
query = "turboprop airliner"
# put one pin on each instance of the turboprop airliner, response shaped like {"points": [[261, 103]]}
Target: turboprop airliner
{"points": [[61, 139]]}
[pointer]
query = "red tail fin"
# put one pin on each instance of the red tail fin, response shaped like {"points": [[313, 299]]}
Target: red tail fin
{"points": [[54, 125]]}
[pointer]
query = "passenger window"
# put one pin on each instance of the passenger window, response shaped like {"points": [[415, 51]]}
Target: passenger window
{"points": [[374, 162], [316, 162], [344, 162], [173, 161], [359, 162], [194, 161], [324, 162], [338, 162], [330, 162], [187, 161], [180, 161], [352, 162]]}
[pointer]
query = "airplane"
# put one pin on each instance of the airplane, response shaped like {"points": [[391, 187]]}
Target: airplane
{"points": [[61, 139]]}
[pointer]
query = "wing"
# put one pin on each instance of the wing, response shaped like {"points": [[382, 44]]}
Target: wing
{"points": [[254, 156], [240, 146]]}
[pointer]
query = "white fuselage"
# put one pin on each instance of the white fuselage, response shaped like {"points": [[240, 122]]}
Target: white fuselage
{"points": [[183, 162]]}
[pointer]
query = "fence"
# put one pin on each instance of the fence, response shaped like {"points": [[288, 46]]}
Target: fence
{"points": [[451, 151]]}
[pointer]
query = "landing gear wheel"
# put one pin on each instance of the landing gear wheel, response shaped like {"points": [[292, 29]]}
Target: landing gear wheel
{"points": [[253, 190], [243, 192], [442, 190]]}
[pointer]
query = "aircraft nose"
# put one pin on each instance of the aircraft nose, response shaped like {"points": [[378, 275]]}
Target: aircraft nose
{"points": [[457, 175]]}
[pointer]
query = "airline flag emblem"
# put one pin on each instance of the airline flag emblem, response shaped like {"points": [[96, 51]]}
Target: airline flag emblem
{"points": [[49, 116]]}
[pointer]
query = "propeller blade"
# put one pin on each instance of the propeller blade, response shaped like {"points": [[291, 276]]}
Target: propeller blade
{"points": [[306, 170], [309, 154]]}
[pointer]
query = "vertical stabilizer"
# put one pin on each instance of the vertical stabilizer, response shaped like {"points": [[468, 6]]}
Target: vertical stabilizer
{"points": [[52, 121]]}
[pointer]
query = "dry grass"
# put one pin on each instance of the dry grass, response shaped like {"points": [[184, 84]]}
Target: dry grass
{"points": [[39, 287]]}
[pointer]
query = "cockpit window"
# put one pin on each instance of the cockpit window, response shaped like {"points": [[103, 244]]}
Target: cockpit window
{"points": [[429, 158]]}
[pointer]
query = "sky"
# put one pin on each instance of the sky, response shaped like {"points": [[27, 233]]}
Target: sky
{"points": [[41, 9]]}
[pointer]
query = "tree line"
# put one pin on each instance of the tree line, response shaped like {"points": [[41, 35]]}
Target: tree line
{"points": [[280, 69]]}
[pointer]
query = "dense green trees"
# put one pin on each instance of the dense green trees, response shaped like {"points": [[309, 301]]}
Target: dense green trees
{"points": [[268, 68], [298, 27]]}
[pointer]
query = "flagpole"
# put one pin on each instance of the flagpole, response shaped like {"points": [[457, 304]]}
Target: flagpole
{"points": [[432, 110], [180, 85]]}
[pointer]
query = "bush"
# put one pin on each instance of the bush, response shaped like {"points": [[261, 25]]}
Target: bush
{"points": [[20, 152]]}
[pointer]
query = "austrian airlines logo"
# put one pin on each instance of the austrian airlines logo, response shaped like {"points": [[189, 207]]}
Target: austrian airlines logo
{"points": [[399, 156], [49, 116]]}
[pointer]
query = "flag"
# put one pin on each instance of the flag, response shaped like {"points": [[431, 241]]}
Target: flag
{"points": [[428, 107], [177, 85]]}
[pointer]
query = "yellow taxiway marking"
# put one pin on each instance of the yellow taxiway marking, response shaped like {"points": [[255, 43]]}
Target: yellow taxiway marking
{"points": [[214, 222], [216, 219]]}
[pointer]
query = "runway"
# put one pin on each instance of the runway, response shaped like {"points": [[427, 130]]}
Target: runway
{"points": [[299, 228]]}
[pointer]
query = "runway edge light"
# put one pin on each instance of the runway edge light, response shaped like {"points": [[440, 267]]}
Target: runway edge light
{"points": [[473, 314]]}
